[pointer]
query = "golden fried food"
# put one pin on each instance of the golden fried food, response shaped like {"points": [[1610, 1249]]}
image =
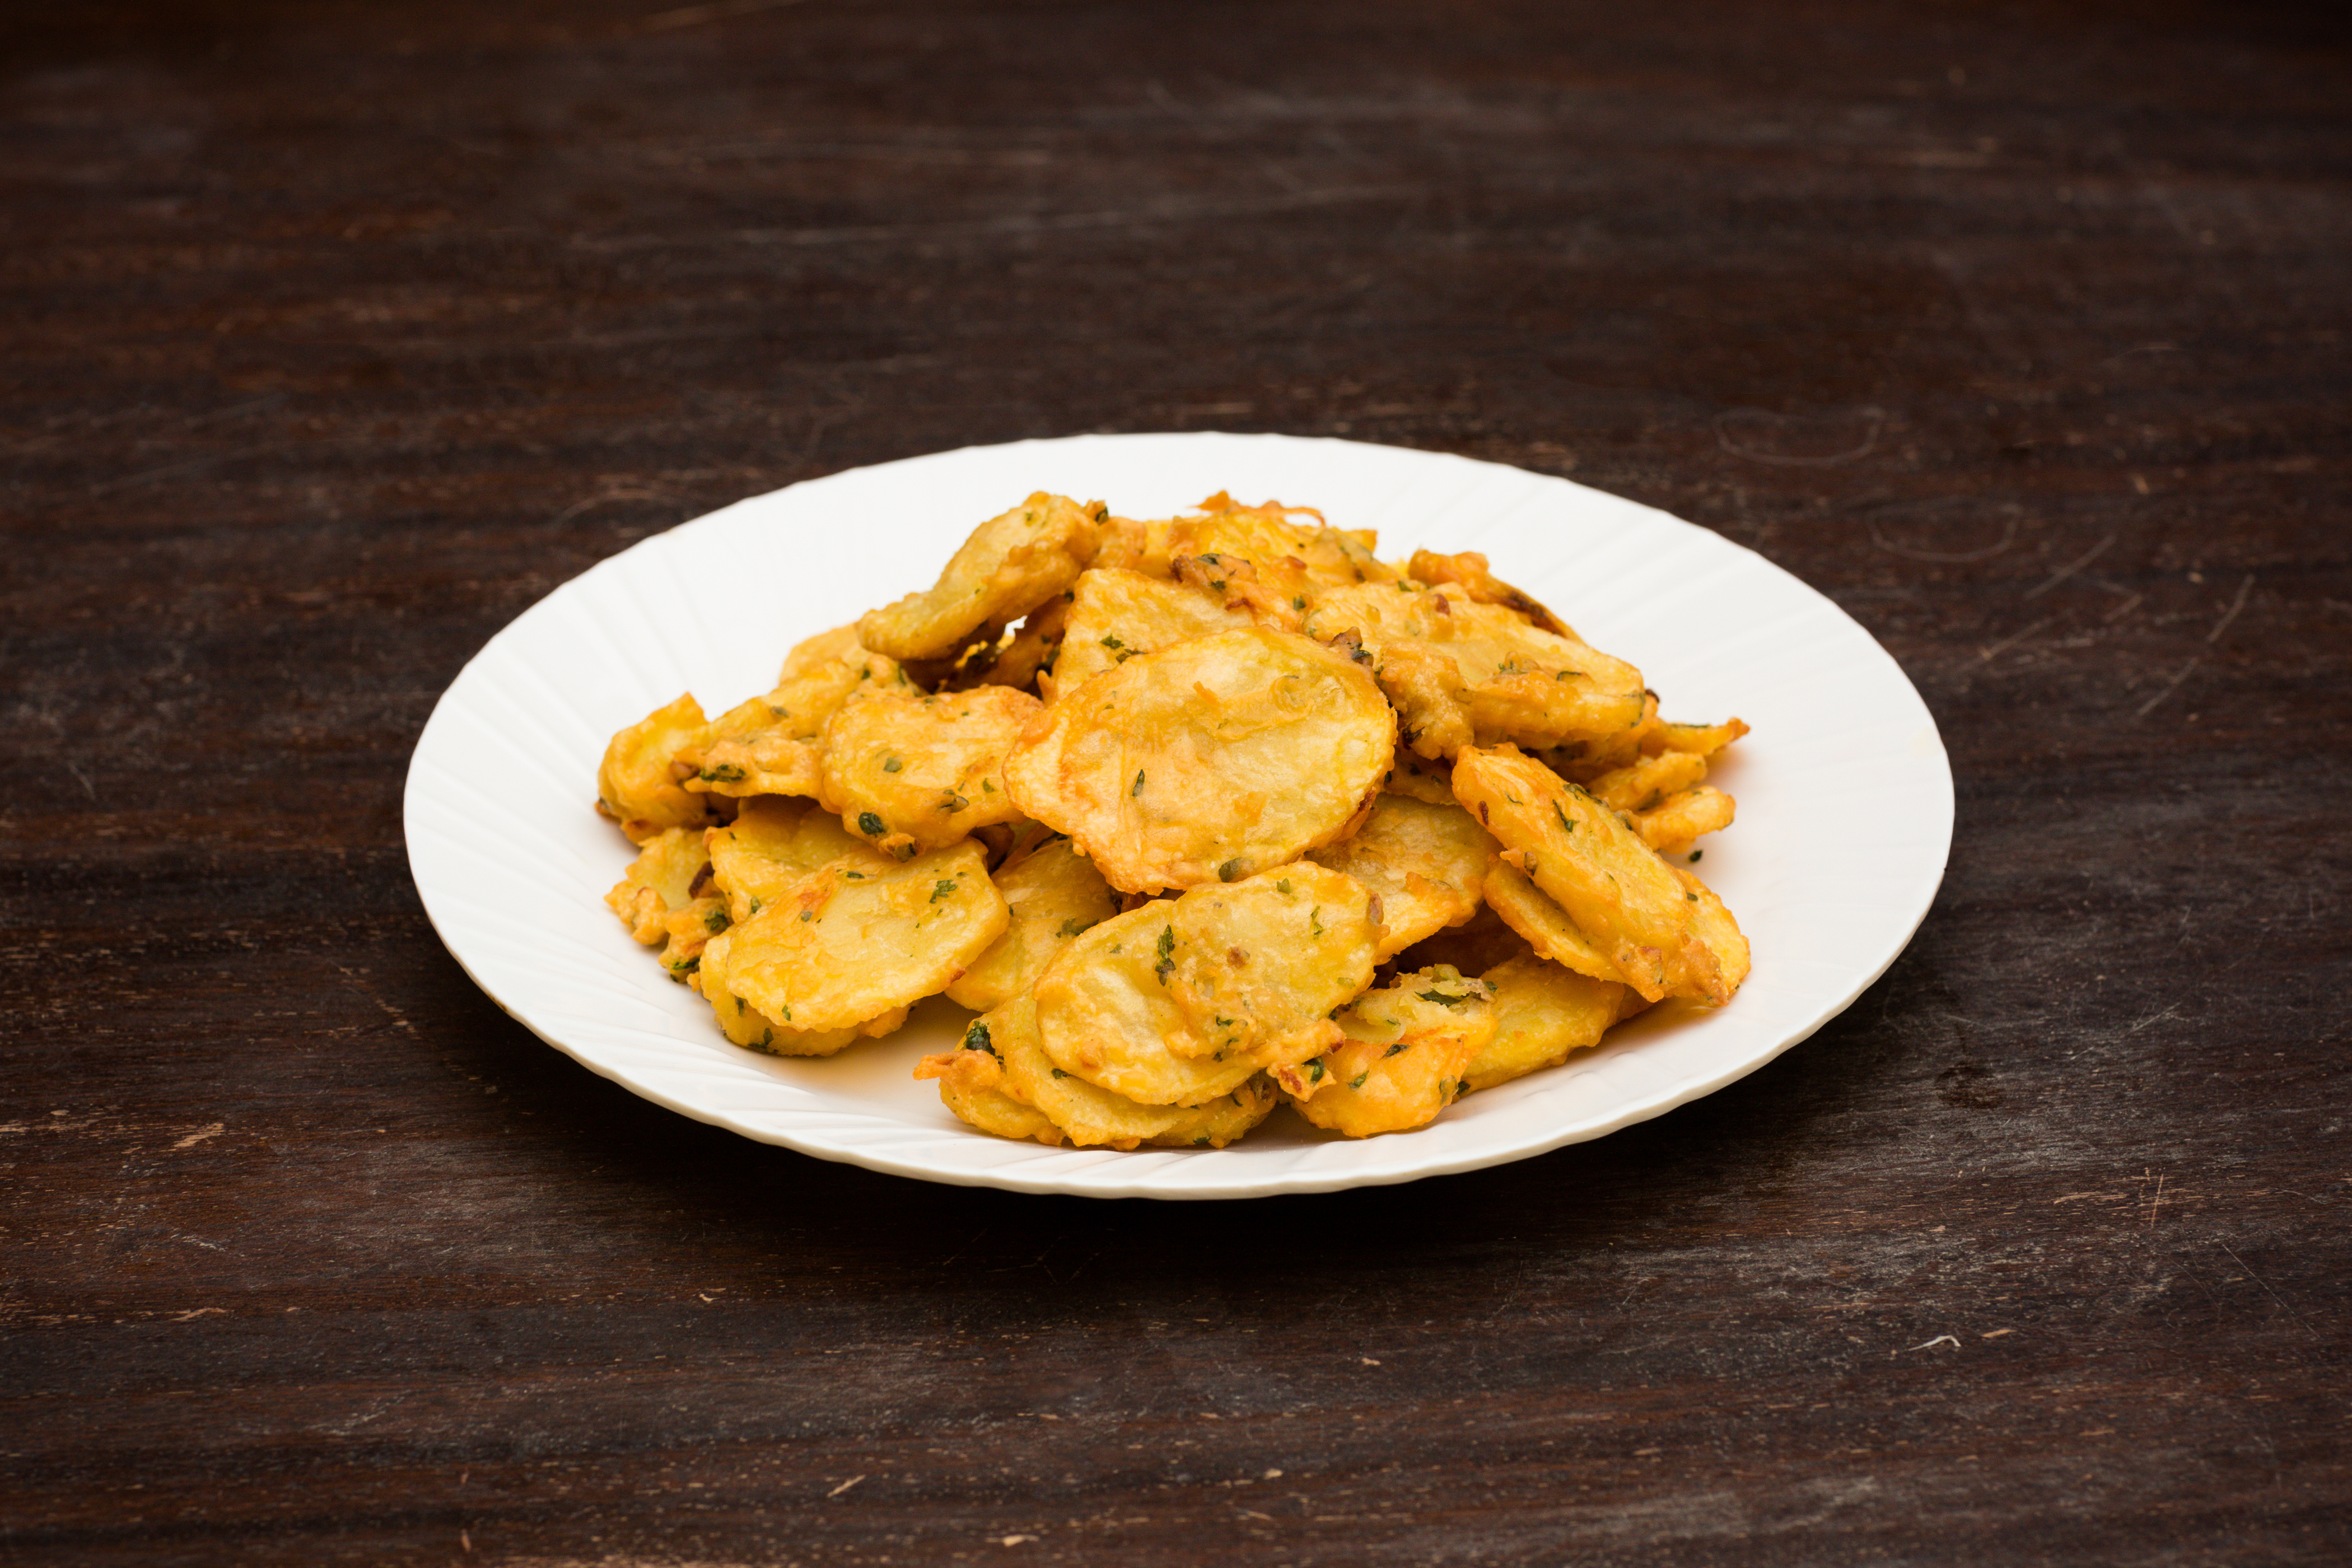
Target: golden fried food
{"points": [[1542, 924], [1543, 1015], [1184, 999], [1468, 570], [1011, 563], [774, 745], [911, 773], [1116, 615], [660, 879], [773, 842], [1207, 761], [1424, 862], [638, 785], [848, 943], [1615, 887], [1054, 894], [1465, 673], [1003, 1052], [1134, 792], [1406, 1048]]}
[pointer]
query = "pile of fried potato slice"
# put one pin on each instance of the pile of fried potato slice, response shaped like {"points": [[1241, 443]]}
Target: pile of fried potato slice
{"points": [[1202, 815]]}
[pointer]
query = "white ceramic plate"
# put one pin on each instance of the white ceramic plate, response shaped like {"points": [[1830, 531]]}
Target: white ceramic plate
{"points": [[1845, 798]]}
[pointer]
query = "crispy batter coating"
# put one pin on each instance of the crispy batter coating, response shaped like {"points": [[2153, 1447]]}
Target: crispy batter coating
{"points": [[1011, 563], [1671, 826], [661, 879], [1469, 571], [1615, 887], [1183, 999], [1642, 784], [1402, 1061], [774, 745], [848, 943], [1460, 672], [1425, 862], [773, 842], [1543, 1013], [1002, 1051], [1294, 552], [637, 785], [1541, 923], [1054, 893], [1116, 615], [1422, 778], [1704, 740], [912, 773], [1715, 928], [973, 1086], [1484, 943], [1209, 760]]}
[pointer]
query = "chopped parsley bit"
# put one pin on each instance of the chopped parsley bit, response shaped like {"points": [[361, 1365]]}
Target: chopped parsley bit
{"points": [[725, 772], [988, 786], [1230, 869], [953, 803], [942, 888], [1565, 825], [1112, 642], [1059, 1073], [779, 713], [716, 921], [892, 765], [807, 915], [767, 1039], [1297, 601], [1315, 1071], [689, 967], [975, 1038], [1217, 584], [1392, 1051], [855, 876], [756, 903], [788, 1015], [1314, 918], [1695, 855], [1223, 1022], [1202, 1141], [1136, 788], [1283, 887], [1691, 897], [1358, 1081], [1167, 963], [1072, 927], [739, 1006], [870, 825]]}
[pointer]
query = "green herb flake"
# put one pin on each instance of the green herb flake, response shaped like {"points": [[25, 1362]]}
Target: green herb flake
{"points": [[975, 1038], [755, 906], [1230, 870], [1315, 919], [1073, 927], [1453, 1004], [807, 915], [1136, 788], [725, 772], [716, 921], [1695, 855], [942, 888], [1283, 887], [1565, 825], [1202, 1141], [988, 786], [1315, 1071], [1059, 1073], [870, 825], [1358, 1081], [1693, 898], [892, 764], [1166, 965], [1297, 601], [1113, 642], [952, 803]]}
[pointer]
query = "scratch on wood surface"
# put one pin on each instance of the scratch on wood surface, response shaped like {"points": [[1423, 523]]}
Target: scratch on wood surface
{"points": [[2266, 1285], [2170, 687], [2071, 568], [2153, 1018], [1985, 654], [398, 1016], [2231, 612], [1949, 557], [844, 1486], [200, 1135], [1931, 1345]]}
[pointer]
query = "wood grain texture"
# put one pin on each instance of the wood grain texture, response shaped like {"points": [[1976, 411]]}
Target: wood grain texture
{"points": [[334, 336]]}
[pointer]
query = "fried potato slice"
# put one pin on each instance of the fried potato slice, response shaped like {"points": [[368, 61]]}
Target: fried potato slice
{"points": [[1116, 615], [1701, 740], [1420, 778], [1615, 887], [1209, 760], [660, 879], [1293, 550], [1542, 924], [1033, 649], [1011, 565], [1671, 826], [773, 744], [912, 773], [1054, 894], [638, 783], [838, 646], [1135, 545], [773, 842], [1543, 1015], [687, 931], [1402, 1061], [1423, 863], [1642, 784], [846, 943], [1715, 928], [1092, 1116], [972, 1087], [1183, 1000], [1468, 570], [1465, 673], [747, 1026], [1581, 762]]}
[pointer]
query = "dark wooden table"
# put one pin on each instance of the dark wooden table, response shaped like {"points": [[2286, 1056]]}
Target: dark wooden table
{"points": [[336, 335]]}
